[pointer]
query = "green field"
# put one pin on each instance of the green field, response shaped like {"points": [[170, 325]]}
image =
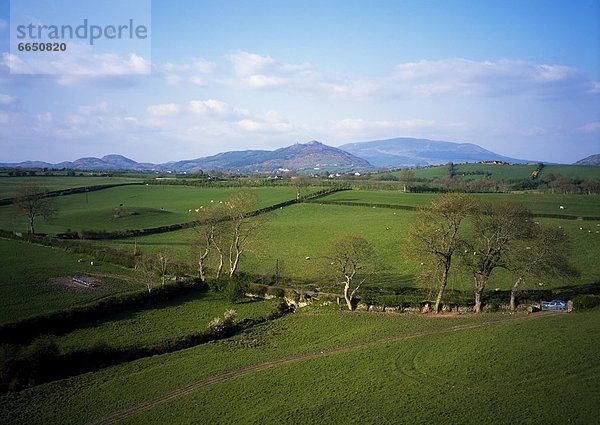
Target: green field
{"points": [[574, 205], [506, 172], [28, 285], [321, 364], [135, 207], [305, 230], [350, 367], [8, 185], [167, 320]]}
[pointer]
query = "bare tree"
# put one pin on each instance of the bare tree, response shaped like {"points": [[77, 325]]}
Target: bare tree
{"points": [[301, 182], [435, 236], [546, 254], [241, 227], [209, 235], [406, 178], [496, 229], [33, 201], [350, 259], [145, 266], [162, 263]]}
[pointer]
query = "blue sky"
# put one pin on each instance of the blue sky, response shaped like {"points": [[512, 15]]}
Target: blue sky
{"points": [[519, 78]]}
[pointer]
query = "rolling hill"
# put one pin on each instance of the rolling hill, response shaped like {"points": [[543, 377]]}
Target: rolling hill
{"points": [[401, 152], [311, 156], [590, 160]]}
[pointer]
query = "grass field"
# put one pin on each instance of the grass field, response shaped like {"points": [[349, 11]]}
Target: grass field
{"points": [[506, 172], [305, 230], [135, 207], [373, 368], [167, 320], [27, 287], [321, 364], [574, 205], [8, 185]]}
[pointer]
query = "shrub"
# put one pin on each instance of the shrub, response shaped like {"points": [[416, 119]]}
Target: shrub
{"points": [[222, 326], [585, 302], [235, 290]]}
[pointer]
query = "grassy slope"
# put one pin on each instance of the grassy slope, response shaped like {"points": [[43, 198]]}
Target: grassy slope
{"points": [[507, 372], [26, 270], [144, 326]]}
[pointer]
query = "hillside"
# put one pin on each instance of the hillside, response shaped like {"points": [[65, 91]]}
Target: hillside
{"points": [[301, 156], [404, 151], [590, 160]]}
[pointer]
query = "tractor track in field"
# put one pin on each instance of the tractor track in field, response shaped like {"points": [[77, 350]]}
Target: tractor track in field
{"points": [[247, 370]]}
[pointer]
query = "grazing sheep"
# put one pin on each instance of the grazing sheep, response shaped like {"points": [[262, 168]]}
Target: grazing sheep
{"points": [[562, 207]]}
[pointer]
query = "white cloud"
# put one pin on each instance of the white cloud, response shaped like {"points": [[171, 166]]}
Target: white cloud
{"points": [[254, 71], [195, 71], [592, 127], [210, 106], [594, 87], [77, 63], [423, 79], [271, 123], [216, 109], [163, 109], [6, 99]]}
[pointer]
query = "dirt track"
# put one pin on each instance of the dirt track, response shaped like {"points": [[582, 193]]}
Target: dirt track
{"points": [[237, 373]]}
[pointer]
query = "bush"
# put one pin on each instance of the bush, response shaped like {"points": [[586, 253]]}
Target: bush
{"points": [[222, 326], [235, 290], [585, 302]]}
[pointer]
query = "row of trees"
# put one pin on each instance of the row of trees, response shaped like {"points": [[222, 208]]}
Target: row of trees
{"points": [[485, 236], [456, 231]]}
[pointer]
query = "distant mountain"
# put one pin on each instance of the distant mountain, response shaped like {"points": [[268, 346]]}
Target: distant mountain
{"points": [[590, 160], [301, 156], [404, 151], [108, 162]]}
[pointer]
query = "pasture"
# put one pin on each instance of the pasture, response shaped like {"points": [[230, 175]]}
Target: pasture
{"points": [[37, 279], [160, 321], [8, 185], [508, 172], [135, 207], [344, 367], [537, 203], [320, 364]]}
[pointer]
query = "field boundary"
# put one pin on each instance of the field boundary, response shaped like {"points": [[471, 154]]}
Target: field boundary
{"points": [[414, 208], [125, 234], [74, 190], [247, 370]]}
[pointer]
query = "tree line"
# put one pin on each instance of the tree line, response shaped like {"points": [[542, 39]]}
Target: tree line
{"points": [[455, 231]]}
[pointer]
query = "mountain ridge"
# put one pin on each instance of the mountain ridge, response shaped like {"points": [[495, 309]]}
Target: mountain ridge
{"points": [[589, 160], [405, 151], [309, 156]]}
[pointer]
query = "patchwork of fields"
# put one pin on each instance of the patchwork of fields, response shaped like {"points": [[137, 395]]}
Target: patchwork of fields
{"points": [[320, 364]]}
